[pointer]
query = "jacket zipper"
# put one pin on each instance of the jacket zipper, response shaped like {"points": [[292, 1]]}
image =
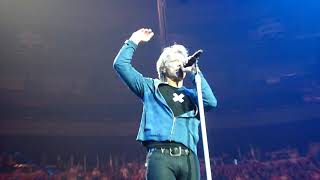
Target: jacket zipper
{"points": [[172, 128], [173, 124]]}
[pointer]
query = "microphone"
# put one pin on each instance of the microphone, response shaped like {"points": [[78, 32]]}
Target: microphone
{"points": [[192, 59]]}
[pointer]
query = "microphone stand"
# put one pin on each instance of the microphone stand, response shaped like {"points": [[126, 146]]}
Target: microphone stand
{"points": [[203, 123]]}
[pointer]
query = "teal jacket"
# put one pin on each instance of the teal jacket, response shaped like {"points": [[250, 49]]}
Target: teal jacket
{"points": [[158, 122]]}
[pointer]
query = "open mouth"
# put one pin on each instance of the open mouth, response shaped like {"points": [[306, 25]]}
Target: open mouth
{"points": [[179, 72]]}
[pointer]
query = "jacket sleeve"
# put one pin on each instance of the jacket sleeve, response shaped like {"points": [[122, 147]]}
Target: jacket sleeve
{"points": [[122, 64], [209, 99]]}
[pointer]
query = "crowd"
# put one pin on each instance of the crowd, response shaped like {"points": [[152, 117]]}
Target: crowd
{"points": [[294, 169], [285, 164]]}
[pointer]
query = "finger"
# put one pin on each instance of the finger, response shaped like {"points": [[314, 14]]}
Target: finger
{"points": [[146, 31], [143, 30], [150, 33], [187, 69]]}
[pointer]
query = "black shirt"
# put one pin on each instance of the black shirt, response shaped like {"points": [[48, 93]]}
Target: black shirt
{"points": [[179, 102]]}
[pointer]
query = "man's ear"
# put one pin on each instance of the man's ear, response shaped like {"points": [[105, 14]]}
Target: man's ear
{"points": [[163, 71]]}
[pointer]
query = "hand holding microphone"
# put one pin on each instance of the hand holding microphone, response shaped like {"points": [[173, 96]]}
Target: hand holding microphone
{"points": [[193, 58], [189, 66]]}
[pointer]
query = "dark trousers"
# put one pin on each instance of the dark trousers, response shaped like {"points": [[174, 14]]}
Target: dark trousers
{"points": [[163, 166]]}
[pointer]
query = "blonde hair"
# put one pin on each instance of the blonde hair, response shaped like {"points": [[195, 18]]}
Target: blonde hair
{"points": [[168, 54]]}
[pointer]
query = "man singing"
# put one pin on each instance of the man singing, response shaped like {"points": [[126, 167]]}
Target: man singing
{"points": [[170, 120]]}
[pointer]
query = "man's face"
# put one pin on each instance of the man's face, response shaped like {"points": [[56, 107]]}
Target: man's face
{"points": [[173, 68]]}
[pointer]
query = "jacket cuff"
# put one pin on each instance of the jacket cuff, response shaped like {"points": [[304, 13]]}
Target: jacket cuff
{"points": [[130, 43]]}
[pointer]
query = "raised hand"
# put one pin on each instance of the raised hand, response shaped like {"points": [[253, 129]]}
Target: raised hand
{"points": [[143, 35]]}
